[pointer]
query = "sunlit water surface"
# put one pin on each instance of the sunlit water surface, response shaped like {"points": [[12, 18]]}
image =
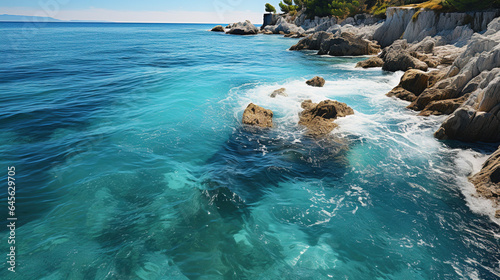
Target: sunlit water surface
{"points": [[132, 164]]}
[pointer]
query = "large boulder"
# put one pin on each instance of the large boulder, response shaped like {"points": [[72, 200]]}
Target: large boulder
{"points": [[397, 57], [487, 181], [316, 82], [402, 61], [243, 28], [318, 118], [257, 116], [312, 42], [218, 28], [371, 62], [412, 84], [348, 44], [284, 27]]}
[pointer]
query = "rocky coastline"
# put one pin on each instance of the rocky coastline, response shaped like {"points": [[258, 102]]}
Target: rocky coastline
{"points": [[451, 63]]}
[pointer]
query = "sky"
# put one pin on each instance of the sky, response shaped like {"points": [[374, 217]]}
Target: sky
{"points": [[193, 11]]}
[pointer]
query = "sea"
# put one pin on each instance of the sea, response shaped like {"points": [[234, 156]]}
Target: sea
{"points": [[131, 162]]}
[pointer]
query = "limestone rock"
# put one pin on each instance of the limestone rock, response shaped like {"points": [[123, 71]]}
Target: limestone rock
{"points": [[371, 63], [487, 181], [412, 84], [479, 118], [348, 44], [312, 42], [257, 116], [218, 28], [318, 118], [316, 82], [243, 28], [443, 107], [281, 91]]}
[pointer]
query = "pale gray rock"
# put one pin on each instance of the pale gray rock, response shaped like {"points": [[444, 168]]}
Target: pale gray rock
{"points": [[243, 28]]}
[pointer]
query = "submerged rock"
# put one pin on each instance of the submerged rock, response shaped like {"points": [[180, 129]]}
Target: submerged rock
{"points": [[487, 181], [257, 116], [371, 62], [316, 82], [243, 28], [318, 118], [218, 28], [281, 91]]}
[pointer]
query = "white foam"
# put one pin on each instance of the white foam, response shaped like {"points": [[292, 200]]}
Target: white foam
{"points": [[469, 162]]}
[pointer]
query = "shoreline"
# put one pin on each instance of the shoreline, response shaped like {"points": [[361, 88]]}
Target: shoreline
{"points": [[457, 57]]}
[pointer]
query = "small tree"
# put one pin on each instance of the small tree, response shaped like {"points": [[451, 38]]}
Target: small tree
{"points": [[284, 8], [270, 8]]}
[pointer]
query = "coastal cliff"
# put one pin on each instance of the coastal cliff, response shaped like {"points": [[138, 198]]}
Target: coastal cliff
{"points": [[451, 60]]}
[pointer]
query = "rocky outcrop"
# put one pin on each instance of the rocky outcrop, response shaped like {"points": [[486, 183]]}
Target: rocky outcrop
{"points": [[243, 28], [398, 57], [312, 42], [281, 91], [318, 118], [348, 44], [412, 84], [478, 119], [371, 62], [394, 26], [476, 71], [487, 181], [316, 82], [451, 28], [218, 28], [257, 116], [414, 24], [284, 27], [337, 45]]}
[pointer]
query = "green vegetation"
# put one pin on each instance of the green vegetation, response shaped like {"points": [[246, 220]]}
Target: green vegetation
{"points": [[289, 7], [346, 8], [467, 5], [270, 8]]}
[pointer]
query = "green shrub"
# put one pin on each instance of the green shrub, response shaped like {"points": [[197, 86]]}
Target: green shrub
{"points": [[270, 8]]}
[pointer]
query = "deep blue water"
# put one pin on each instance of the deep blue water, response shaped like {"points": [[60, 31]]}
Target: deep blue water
{"points": [[132, 164]]}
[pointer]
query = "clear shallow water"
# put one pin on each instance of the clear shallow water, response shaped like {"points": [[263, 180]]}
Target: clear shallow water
{"points": [[132, 164]]}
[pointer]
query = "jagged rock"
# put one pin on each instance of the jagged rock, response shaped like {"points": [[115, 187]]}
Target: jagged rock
{"points": [[397, 57], [243, 28], [394, 26], [284, 27], [281, 91], [312, 42], [257, 116], [345, 44], [487, 181], [371, 62], [479, 118], [443, 107], [402, 61], [316, 82], [429, 95], [479, 68], [412, 84], [348, 44], [218, 28], [318, 118]]}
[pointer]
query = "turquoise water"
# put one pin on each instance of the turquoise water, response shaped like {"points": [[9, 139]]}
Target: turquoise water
{"points": [[132, 164]]}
